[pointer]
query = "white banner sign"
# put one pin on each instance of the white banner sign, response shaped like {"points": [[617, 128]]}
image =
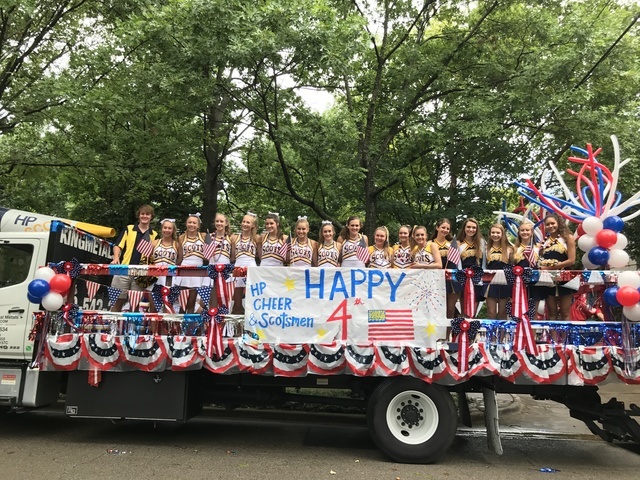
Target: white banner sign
{"points": [[354, 306]]}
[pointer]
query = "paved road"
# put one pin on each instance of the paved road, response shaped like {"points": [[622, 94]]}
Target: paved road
{"points": [[270, 445]]}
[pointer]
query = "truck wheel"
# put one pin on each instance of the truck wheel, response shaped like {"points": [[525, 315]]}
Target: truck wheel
{"points": [[411, 421]]}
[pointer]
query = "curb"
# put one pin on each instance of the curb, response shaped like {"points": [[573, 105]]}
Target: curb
{"points": [[507, 404]]}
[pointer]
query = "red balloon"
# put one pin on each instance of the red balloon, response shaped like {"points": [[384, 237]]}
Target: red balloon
{"points": [[60, 283], [606, 238], [627, 296], [580, 230]]}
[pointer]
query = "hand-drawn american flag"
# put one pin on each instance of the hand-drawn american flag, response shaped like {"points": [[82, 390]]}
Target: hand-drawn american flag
{"points": [[391, 324]]}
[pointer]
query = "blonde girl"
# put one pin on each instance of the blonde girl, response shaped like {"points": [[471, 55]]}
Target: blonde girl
{"points": [[425, 253], [273, 242], [402, 257], [498, 252], [303, 249], [442, 238], [328, 249], [351, 239], [192, 243], [380, 253], [471, 246], [245, 248]]}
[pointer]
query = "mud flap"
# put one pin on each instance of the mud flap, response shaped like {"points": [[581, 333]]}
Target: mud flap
{"points": [[491, 420]]}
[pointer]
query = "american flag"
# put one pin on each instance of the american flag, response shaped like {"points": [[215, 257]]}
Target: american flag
{"points": [[284, 249], [362, 252], [391, 324], [210, 249], [145, 247], [134, 299], [453, 254], [530, 255]]}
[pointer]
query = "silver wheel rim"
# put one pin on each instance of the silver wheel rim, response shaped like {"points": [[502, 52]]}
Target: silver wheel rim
{"points": [[412, 417]]}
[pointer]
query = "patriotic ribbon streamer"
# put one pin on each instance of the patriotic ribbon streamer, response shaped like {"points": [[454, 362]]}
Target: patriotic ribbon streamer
{"points": [[518, 276], [68, 314], [166, 296], [470, 276], [38, 324], [524, 338], [220, 273], [464, 330], [71, 268], [214, 317]]}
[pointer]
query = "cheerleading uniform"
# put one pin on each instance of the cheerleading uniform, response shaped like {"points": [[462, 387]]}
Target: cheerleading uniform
{"points": [[301, 254], [519, 259], [402, 257], [554, 251], [349, 250], [164, 255], [379, 258], [270, 256], [246, 250], [328, 255], [192, 256], [222, 253], [443, 248], [423, 256], [494, 262]]}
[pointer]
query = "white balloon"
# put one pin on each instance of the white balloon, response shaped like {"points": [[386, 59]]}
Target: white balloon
{"points": [[618, 259], [52, 301], [586, 263], [587, 242], [44, 273], [622, 242], [592, 225], [629, 278], [632, 312]]}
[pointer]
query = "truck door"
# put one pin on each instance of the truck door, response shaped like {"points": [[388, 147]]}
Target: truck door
{"points": [[18, 262]]}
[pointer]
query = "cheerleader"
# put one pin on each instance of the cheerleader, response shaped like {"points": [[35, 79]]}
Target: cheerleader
{"points": [[222, 253], [166, 252], [327, 249], [442, 239], [402, 250], [222, 239], [192, 242], [472, 246], [497, 254], [303, 249], [351, 239], [380, 253], [245, 247], [557, 252], [425, 254], [273, 242]]}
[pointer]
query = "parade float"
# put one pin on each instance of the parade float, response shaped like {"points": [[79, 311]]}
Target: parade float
{"points": [[382, 334]]}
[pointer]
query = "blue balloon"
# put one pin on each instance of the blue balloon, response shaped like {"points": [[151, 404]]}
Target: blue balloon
{"points": [[609, 296], [33, 299], [614, 223], [598, 255], [38, 288]]}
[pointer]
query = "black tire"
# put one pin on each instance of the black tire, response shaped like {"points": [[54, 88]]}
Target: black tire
{"points": [[411, 421]]}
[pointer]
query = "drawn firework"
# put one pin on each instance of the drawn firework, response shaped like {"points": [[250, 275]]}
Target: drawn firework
{"points": [[426, 293]]}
